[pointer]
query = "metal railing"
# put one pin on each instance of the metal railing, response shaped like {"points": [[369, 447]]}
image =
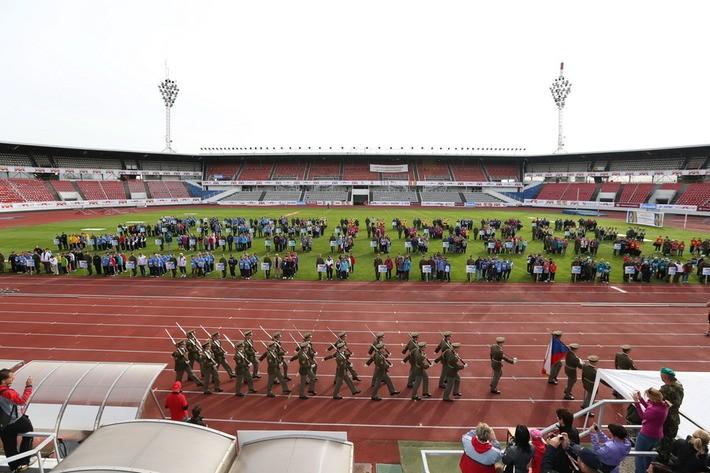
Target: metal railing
{"points": [[50, 437]]}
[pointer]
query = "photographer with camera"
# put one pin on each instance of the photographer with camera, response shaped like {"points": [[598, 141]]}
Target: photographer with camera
{"points": [[562, 456], [13, 420], [611, 451]]}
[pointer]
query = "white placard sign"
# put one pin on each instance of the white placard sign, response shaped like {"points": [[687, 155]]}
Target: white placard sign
{"points": [[131, 265], [222, 242], [320, 268], [426, 269], [56, 241], [169, 265], [617, 246], [629, 270], [220, 266], [408, 244], [491, 244], [445, 244], [470, 268], [373, 244], [333, 244], [576, 270], [83, 264], [158, 241], [537, 269], [706, 271], [382, 268], [265, 266], [672, 270]]}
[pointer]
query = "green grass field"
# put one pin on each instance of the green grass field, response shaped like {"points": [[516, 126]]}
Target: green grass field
{"points": [[25, 238]]}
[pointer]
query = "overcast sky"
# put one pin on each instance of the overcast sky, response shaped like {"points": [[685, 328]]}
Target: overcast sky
{"points": [[358, 73]]}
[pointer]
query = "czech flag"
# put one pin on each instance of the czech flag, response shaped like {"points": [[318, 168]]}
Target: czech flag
{"points": [[556, 351]]}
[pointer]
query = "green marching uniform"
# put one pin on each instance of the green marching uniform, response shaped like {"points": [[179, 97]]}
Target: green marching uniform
{"points": [[250, 353], [412, 345], [674, 394], [208, 368], [342, 372], [181, 364], [555, 369], [307, 344], [443, 346], [305, 371], [194, 349], [242, 371], [623, 361], [339, 343], [452, 367], [421, 377], [589, 375], [572, 364], [220, 354], [381, 375], [273, 362], [497, 358]]}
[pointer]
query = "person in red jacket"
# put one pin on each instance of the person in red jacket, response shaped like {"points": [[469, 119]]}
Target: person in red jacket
{"points": [[538, 444], [481, 450], [176, 403], [18, 423]]}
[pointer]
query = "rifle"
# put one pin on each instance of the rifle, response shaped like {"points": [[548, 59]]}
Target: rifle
{"points": [[194, 341], [297, 331], [230, 342], [171, 337]]}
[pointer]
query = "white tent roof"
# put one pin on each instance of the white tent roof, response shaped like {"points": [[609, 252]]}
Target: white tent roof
{"points": [[696, 386]]}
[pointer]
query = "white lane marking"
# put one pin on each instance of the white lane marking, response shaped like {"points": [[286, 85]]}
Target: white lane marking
{"points": [[618, 289]]}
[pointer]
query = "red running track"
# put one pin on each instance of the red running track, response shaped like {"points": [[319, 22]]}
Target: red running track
{"points": [[125, 319]]}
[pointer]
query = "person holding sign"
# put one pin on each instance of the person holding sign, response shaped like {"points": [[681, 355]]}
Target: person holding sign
{"points": [[320, 267], [376, 264], [497, 358]]}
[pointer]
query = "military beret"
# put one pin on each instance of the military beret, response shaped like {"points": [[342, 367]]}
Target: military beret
{"points": [[456, 344], [379, 345], [190, 332], [668, 372], [342, 334], [446, 334], [216, 334], [557, 333], [205, 345], [380, 334], [276, 335], [239, 344], [500, 339], [626, 347], [574, 346], [593, 358], [307, 335], [181, 342], [421, 344], [303, 344], [248, 332], [414, 334]]}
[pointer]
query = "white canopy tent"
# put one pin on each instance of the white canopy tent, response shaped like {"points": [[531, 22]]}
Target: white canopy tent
{"points": [[696, 386]]}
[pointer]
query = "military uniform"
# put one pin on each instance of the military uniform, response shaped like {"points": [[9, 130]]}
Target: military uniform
{"points": [[555, 369], [242, 370], [342, 343], [497, 358], [342, 372], [250, 353], [273, 361], [443, 346], [380, 375], [220, 354], [572, 364], [307, 345], [305, 371], [674, 394], [452, 367], [622, 360], [281, 352], [194, 349], [412, 345], [421, 377], [208, 367], [180, 356], [589, 375]]}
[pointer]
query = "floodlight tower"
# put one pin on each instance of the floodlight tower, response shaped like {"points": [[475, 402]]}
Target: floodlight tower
{"points": [[169, 91], [560, 90]]}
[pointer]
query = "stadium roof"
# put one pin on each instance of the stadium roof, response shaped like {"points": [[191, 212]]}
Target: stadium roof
{"points": [[75, 398]]}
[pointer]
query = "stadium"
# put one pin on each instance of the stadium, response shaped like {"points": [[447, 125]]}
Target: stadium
{"points": [[367, 309]]}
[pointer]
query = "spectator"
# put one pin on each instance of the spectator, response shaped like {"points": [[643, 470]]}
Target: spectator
{"points": [[538, 444], [197, 417], [519, 453], [176, 403], [560, 453], [17, 422], [611, 451], [565, 422], [653, 414], [481, 450], [691, 455]]}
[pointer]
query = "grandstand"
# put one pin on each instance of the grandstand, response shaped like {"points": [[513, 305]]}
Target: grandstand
{"points": [[436, 196], [326, 196]]}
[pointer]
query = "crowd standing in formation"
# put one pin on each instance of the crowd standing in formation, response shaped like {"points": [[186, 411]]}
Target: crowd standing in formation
{"points": [[200, 247]]}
